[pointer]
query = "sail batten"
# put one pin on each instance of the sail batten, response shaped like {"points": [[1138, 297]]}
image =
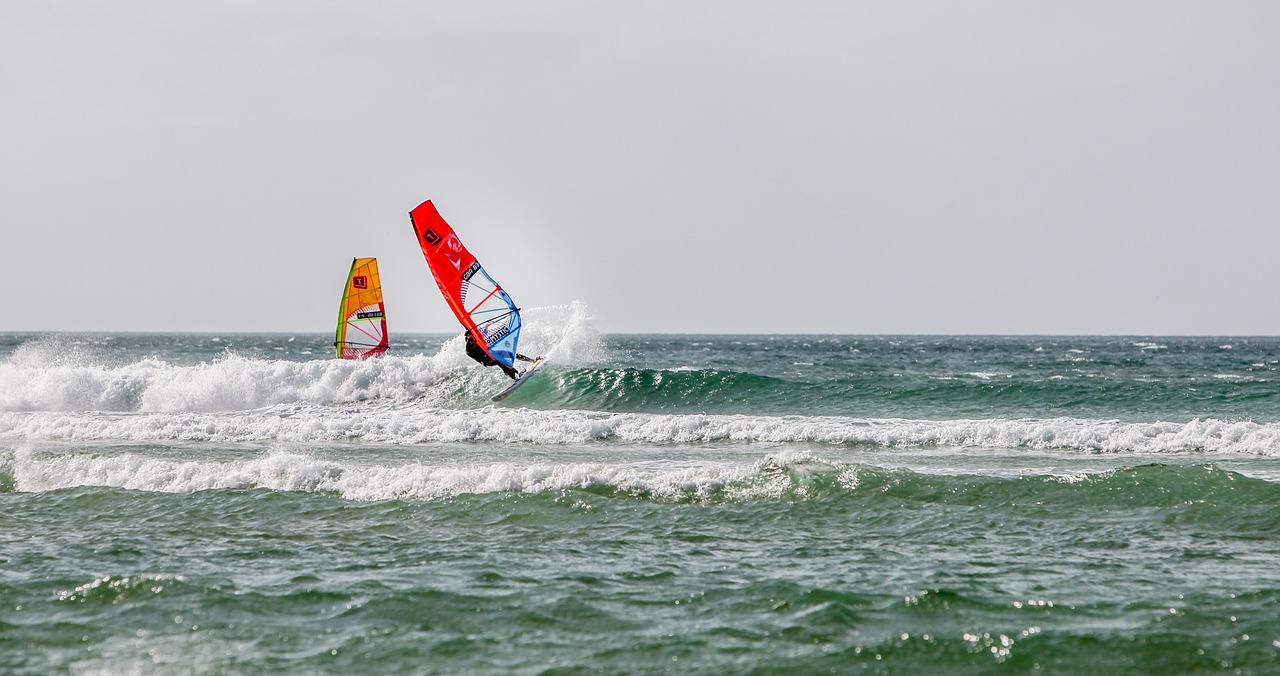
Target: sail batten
{"points": [[493, 319], [362, 315]]}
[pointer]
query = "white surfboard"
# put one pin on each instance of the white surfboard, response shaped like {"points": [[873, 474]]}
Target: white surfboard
{"points": [[519, 381]]}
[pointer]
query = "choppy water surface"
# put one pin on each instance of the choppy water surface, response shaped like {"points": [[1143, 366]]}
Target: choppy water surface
{"points": [[724, 504]]}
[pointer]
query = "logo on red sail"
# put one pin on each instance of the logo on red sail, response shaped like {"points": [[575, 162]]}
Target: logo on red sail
{"points": [[452, 243], [430, 237]]}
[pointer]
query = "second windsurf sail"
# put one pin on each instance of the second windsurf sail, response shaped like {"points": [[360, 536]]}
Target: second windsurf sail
{"points": [[362, 317], [483, 308]]}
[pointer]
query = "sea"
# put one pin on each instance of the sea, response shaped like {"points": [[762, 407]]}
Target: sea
{"points": [[225, 503]]}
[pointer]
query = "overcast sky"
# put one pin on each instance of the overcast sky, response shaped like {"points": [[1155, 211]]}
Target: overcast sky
{"points": [[684, 166]]}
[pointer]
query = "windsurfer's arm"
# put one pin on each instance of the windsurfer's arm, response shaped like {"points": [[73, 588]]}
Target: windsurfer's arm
{"points": [[524, 358]]}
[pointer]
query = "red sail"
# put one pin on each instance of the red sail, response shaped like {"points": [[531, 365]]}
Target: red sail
{"points": [[445, 255], [479, 302]]}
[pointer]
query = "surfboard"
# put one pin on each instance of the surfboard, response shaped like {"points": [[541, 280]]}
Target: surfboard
{"points": [[519, 381]]}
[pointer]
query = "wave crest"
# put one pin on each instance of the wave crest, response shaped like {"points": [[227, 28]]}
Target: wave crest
{"points": [[785, 475], [57, 373], [415, 423]]}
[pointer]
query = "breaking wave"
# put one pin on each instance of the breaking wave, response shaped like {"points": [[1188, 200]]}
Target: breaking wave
{"points": [[786, 475], [410, 423], [54, 374]]}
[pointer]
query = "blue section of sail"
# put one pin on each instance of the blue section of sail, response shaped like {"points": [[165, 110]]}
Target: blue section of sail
{"points": [[496, 316]]}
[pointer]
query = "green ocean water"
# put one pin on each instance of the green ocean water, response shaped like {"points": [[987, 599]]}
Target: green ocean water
{"points": [[650, 504]]}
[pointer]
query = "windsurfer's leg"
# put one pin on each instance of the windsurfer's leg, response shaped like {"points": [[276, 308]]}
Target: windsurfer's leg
{"points": [[510, 371]]}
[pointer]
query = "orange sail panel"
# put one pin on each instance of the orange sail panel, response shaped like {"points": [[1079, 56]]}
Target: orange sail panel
{"points": [[362, 318], [483, 308]]}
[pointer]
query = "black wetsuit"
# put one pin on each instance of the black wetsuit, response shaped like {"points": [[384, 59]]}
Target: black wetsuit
{"points": [[478, 353]]}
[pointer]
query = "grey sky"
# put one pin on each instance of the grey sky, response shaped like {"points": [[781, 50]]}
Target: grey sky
{"points": [[847, 167]]}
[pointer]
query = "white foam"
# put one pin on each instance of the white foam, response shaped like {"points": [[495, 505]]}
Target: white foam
{"points": [[410, 423], [289, 471], [59, 374], [229, 383]]}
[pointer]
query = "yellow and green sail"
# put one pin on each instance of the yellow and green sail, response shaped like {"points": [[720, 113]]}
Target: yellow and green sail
{"points": [[362, 318]]}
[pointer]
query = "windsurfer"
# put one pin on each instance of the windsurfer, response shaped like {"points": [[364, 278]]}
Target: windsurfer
{"points": [[479, 354]]}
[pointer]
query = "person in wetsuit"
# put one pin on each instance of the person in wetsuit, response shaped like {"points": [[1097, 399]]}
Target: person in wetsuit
{"points": [[478, 353]]}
